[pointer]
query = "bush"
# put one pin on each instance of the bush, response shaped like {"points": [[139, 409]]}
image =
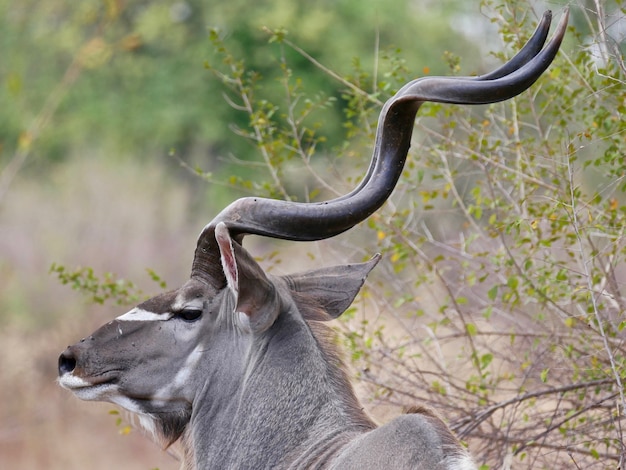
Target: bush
{"points": [[503, 243]]}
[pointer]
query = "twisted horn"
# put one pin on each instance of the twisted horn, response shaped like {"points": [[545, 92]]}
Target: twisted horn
{"points": [[316, 221]]}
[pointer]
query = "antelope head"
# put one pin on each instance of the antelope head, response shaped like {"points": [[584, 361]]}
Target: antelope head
{"points": [[207, 339]]}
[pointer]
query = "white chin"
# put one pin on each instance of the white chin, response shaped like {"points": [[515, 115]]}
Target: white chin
{"points": [[99, 392], [87, 391], [71, 382]]}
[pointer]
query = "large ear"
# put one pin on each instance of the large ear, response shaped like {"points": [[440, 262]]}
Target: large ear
{"points": [[330, 291], [255, 295]]}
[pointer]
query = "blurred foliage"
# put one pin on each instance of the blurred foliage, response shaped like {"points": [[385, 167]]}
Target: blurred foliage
{"points": [[100, 289], [126, 76]]}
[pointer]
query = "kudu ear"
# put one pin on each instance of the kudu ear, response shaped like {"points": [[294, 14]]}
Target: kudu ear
{"points": [[328, 292], [256, 301]]}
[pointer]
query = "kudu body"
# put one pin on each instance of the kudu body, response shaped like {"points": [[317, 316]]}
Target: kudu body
{"points": [[237, 364]]}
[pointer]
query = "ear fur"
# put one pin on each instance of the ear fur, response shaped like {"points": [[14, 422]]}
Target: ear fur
{"points": [[329, 291], [227, 255], [255, 295]]}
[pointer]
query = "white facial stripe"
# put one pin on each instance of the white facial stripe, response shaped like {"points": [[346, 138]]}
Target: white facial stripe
{"points": [[180, 379], [138, 314], [182, 376], [190, 364]]}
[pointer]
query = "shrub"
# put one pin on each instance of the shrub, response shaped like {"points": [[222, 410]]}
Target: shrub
{"points": [[503, 243]]}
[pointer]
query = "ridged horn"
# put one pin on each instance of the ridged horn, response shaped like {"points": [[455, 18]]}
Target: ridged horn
{"points": [[316, 221]]}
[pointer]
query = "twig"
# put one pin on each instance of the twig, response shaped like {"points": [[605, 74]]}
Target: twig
{"points": [[585, 266], [560, 423], [329, 72], [476, 419], [41, 121]]}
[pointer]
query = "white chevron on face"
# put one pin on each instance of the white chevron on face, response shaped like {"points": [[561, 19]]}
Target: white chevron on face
{"points": [[139, 314]]}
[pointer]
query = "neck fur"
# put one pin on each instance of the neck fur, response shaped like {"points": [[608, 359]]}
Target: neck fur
{"points": [[293, 392]]}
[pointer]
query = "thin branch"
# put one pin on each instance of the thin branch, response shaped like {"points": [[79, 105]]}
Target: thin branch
{"points": [[560, 423], [50, 106], [297, 134], [330, 72], [588, 276], [473, 421]]}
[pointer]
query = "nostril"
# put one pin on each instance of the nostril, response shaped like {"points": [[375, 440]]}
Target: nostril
{"points": [[67, 363]]}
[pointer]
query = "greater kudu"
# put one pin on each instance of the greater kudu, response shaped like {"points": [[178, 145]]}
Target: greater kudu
{"points": [[236, 364]]}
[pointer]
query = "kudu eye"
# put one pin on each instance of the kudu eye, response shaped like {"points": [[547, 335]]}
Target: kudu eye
{"points": [[189, 314]]}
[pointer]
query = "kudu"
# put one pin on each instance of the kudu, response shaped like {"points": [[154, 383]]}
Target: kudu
{"points": [[236, 364]]}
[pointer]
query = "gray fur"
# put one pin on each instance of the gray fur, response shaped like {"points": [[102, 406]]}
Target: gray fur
{"points": [[256, 390]]}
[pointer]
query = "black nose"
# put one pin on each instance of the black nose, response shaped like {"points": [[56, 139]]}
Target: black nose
{"points": [[67, 362]]}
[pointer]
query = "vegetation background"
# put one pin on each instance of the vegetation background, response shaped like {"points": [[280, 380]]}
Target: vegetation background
{"points": [[124, 125]]}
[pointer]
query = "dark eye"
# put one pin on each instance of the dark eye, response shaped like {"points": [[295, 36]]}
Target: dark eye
{"points": [[189, 314]]}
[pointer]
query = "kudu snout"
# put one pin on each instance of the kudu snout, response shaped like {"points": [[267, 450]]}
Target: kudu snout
{"points": [[92, 357]]}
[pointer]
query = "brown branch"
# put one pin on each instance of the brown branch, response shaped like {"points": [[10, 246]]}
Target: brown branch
{"points": [[570, 449], [473, 421], [562, 422]]}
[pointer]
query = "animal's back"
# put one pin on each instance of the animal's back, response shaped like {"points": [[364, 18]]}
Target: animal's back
{"points": [[415, 441]]}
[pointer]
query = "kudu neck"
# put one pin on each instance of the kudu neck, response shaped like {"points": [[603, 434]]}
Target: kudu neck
{"points": [[289, 376]]}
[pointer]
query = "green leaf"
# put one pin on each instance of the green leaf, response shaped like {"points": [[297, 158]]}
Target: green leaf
{"points": [[485, 360], [512, 282]]}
